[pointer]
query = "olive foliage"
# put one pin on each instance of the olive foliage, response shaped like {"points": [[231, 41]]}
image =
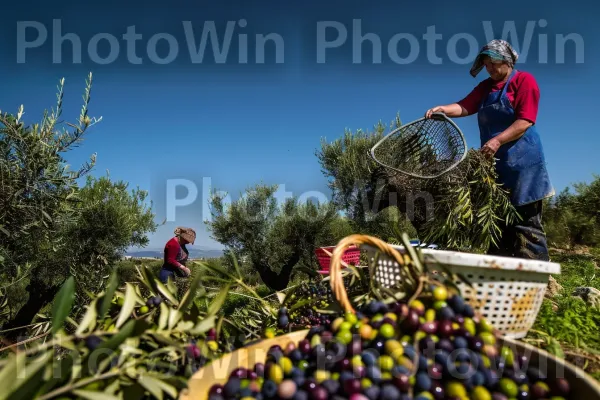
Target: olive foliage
{"points": [[274, 237], [464, 209], [51, 227], [572, 218]]}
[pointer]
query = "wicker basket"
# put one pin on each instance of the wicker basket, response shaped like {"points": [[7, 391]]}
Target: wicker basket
{"points": [[582, 385], [507, 291], [217, 372]]}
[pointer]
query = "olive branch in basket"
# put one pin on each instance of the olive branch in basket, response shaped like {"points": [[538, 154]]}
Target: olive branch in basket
{"points": [[417, 273]]}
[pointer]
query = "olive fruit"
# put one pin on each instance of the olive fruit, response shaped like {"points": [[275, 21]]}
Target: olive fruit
{"points": [[434, 348], [92, 342]]}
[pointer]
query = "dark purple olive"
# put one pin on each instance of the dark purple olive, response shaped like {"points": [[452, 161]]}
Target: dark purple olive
{"points": [[445, 344], [319, 393], [355, 347], [476, 344], [435, 371], [411, 322], [401, 310], [437, 390], [429, 327], [352, 386], [560, 386], [378, 345], [445, 329], [259, 369], [92, 342], [360, 371], [216, 389], [326, 336], [289, 348], [427, 344], [241, 373], [402, 382], [522, 361], [310, 385], [345, 364], [445, 314], [462, 332], [304, 346]]}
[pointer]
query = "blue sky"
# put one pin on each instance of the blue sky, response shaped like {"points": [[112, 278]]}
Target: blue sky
{"points": [[237, 125]]}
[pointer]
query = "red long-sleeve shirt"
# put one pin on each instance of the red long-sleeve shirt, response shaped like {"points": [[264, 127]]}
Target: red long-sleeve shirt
{"points": [[522, 92], [171, 252]]}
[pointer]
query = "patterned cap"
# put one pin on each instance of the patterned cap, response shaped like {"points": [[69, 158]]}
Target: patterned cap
{"points": [[497, 49], [186, 233]]}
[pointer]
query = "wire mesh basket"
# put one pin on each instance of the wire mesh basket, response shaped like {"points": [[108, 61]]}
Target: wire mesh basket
{"points": [[426, 148]]}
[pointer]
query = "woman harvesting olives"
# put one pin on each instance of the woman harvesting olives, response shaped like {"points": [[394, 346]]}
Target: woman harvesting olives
{"points": [[176, 254], [506, 105]]}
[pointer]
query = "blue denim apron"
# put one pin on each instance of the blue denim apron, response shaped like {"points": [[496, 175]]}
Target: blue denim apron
{"points": [[521, 165]]}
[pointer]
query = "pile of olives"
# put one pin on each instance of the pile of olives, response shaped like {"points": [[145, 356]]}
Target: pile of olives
{"points": [[315, 296], [433, 348]]}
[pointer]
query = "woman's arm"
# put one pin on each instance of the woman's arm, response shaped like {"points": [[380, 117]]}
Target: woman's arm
{"points": [[513, 132], [465, 107], [454, 110]]}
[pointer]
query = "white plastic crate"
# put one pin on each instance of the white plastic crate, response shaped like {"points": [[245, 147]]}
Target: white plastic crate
{"points": [[507, 291]]}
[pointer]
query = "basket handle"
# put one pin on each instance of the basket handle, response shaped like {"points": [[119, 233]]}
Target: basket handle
{"points": [[335, 272]]}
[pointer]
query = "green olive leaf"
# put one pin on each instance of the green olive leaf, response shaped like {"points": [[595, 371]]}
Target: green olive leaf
{"points": [[94, 395], [204, 325], [191, 294], [128, 306], [111, 288], [89, 319], [174, 317], [156, 387], [166, 292], [218, 301], [29, 377], [163, 317], [62, 304]]}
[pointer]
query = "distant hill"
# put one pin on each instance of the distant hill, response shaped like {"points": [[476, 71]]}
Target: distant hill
{"points": [[194, 253]]}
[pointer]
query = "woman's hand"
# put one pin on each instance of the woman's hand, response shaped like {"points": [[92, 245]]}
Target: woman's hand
{"points": [[491, 147], [453, 110], [436, 109], [186, 270]]}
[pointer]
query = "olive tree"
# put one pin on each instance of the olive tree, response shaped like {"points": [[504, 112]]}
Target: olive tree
{"points": [[273, 237], [52, 228]]}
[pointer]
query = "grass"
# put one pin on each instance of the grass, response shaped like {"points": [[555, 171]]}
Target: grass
{"points": [[566, 325]]}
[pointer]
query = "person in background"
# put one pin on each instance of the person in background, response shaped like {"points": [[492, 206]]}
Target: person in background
{"points": [[176, 254], [506, 105]]}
